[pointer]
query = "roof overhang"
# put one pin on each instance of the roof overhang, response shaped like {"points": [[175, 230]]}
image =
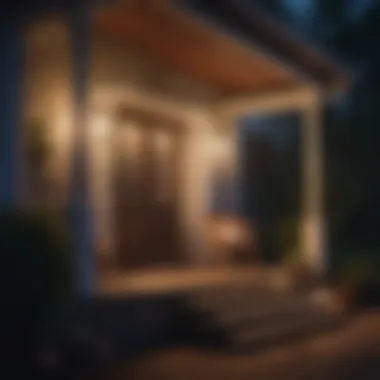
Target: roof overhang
{"points": [[220, 44], [194, 47], [249, 23], [216, 44]]}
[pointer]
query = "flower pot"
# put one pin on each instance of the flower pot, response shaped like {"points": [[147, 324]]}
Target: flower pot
{"points": [[300, 275], [346, 297]]}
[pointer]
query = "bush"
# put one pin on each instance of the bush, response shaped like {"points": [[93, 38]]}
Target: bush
{"points": [[361, 274], [36, 265], [287, 235]]}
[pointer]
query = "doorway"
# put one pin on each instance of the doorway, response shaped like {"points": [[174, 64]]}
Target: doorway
{"points": [[146, 166]]}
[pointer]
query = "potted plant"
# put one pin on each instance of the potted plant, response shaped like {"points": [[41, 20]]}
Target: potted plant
{"points": [[350, 283], [299, 272]]}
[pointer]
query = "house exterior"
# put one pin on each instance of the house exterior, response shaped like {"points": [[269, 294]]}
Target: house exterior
{"points": [[138, 101]]}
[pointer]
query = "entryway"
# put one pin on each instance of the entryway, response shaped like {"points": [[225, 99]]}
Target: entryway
{"points": [[145, 176]]}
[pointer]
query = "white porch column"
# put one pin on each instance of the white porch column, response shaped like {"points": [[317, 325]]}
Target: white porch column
{"points": [[11, 109], [80, 199], [306, 101], [313, 247], [197, 189]]}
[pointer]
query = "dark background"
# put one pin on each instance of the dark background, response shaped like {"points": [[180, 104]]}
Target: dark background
{"points": [[349, 31]]}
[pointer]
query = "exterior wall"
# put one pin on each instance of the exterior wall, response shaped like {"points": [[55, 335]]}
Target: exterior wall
{"points": [[48, 97], [119, 76]]}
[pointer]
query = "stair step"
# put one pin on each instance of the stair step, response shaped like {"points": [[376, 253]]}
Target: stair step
{"points": [[259, 335], [218, 300], [234, 310], [257, 311], [259, 314], [283, 317]]}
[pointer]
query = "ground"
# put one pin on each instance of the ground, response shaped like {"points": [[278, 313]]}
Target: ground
{"points": [[350, 353]]}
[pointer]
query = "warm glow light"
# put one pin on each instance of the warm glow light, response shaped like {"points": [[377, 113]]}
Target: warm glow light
{"points": [[230, 231], [220, 148], [100, 127]]}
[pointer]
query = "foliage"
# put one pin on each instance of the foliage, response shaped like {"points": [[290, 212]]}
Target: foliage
{"points": [[36, 265], [361, 274], [288, 237], [351, 130], [356, 271]]}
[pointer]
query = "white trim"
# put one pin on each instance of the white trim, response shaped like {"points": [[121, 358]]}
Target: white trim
{"points": [[292, 100], [105, 99], [312, 234]]}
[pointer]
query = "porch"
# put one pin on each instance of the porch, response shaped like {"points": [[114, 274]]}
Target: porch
{"points": [[185, 280], [133, 86], [233, 309]]}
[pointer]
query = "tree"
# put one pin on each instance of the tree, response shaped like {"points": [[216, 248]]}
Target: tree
{"points": [[351, 131]]}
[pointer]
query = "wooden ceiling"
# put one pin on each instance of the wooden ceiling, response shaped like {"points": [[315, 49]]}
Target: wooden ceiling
{"points": [[192, 48]]}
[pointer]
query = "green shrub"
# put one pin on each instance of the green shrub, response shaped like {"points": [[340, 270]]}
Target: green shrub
{"points": [[36, 264], [288, 238], [362, 273], [356, 270]]}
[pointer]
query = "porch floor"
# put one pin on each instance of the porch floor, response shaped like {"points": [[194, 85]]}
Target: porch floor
{"points": [[182, 280]]}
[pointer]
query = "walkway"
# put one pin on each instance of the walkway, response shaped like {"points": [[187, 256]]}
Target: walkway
{"points": [[352, 353]]}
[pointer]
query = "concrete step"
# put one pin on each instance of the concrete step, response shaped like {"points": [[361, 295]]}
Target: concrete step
{"points": [[278, 326], [253, 315], [254, 310], [236, 297]]}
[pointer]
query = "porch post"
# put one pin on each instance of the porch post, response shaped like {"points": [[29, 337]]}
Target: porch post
{"points": [[11, 108], [80, 202], [313, 247], [238, 168]]}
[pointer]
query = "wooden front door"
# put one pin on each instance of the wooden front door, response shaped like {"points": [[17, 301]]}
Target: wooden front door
{"points": [[145, 191]]}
